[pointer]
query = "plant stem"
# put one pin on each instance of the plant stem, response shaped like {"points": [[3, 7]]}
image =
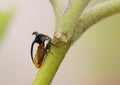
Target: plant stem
{"points": [[51, 64], [94, 14], [71, 17], [68, 29], [58, 7]]}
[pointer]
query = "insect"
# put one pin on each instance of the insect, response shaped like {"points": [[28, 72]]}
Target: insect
{"points": [[42, 49]]}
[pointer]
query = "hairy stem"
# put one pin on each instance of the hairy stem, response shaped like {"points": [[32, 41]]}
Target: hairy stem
{"points": [[71, 17], [67, 22], [94, 14], [58, 7]]}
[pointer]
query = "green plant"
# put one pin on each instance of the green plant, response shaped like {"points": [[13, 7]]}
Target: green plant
{"points": [[4, 19], [71, 22]]}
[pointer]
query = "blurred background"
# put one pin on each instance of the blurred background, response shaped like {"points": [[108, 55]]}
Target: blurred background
{"points": [[93, 60]]}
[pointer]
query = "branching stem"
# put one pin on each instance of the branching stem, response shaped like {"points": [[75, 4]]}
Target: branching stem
{"points": [[94, 14], [70, 25]]}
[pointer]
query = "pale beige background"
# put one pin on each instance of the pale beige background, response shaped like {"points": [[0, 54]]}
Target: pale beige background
{"points": [[92, 60]]}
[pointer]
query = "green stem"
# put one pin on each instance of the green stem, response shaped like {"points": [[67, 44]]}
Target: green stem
{"points": [[67, 22], [94, 15], [71, 17], [68, 30], [58, 7], [51, 64]]}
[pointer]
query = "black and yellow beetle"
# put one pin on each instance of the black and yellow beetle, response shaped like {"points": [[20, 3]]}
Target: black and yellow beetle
{"points": [[42, 49]]}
